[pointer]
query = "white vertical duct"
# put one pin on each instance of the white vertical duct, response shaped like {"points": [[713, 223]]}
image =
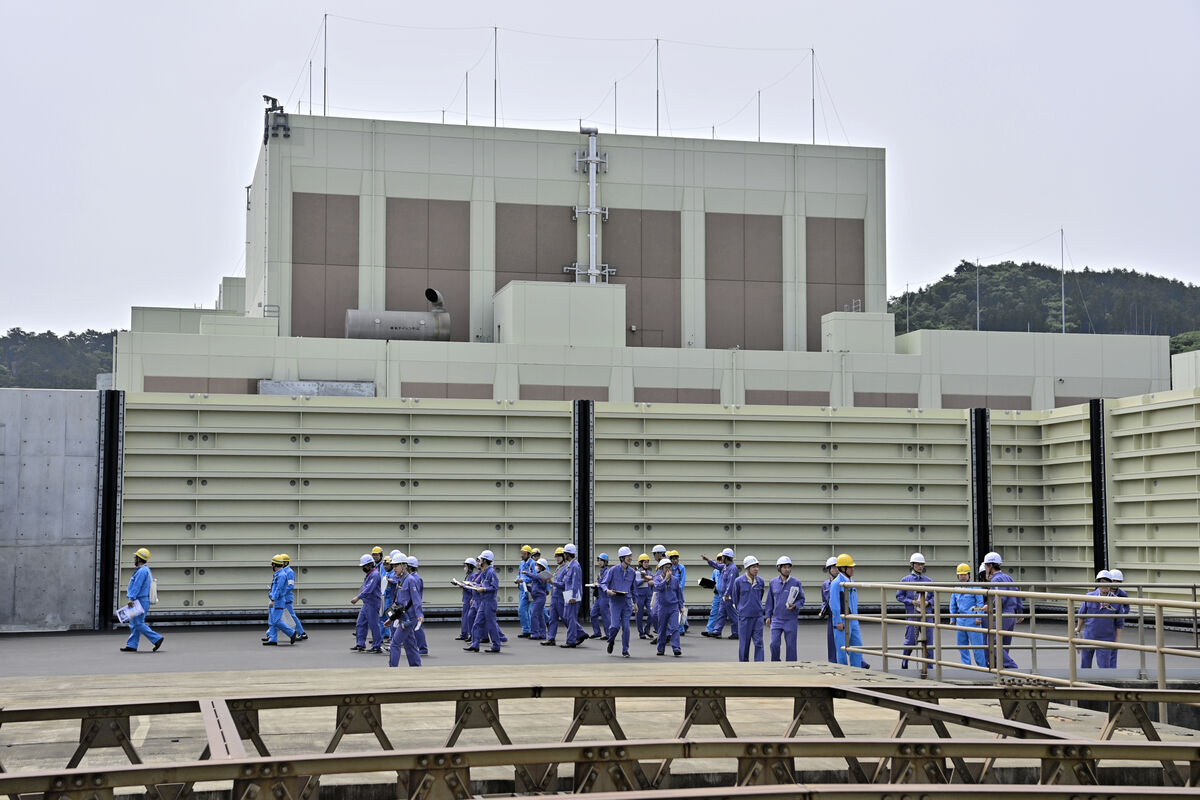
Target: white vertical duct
{"points": [[594, 271]]}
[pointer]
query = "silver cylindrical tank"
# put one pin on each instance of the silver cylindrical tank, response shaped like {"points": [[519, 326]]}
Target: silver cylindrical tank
{"points": [[422, 326]]}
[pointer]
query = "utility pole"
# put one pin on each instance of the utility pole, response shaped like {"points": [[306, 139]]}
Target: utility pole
{"points": [[657, 81], [495, 73], [1063, 273], [977, 315]]}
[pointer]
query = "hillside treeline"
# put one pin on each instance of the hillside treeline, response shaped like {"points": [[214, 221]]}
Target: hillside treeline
{"points": [[49, 361], [1026, 297]]}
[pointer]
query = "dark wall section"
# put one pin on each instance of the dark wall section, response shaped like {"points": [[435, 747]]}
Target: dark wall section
{"points": [[743, 256], [644, 248], [428, 244], [324, 263], [836, 259], [533, 243]]}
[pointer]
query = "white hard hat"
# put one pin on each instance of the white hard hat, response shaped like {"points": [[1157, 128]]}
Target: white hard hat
{"points": [[471, 561], [1117, 575], [412, 562], [749, 561], [395, 556], [916, 558], [488, 555], [624, 551], [831, 561], [570, 548], [658, 548], [1104, 575], [666, 562], [784, 560], [992, 558], [543, 563], [365, 559], [727, 552]]}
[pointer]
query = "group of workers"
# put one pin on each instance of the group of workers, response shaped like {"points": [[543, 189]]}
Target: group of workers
{"points": [[651, 599]]}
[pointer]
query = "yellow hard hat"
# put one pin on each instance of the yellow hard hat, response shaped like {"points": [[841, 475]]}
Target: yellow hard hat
{"points": [[526, 548], [278, 559], [672, 554], [643, 557], [845, 560], [143, 554], [963, 569], [536, 552], [285, 558], [558, 551], [376, 551]]}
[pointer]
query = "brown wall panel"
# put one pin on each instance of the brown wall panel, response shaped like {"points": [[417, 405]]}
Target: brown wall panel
{"points": [[455, 391], [1059, 402], [845, 294], [766, 397], [556, 242], [661, 255], [744, 285], [655, 394], [536, 391], [233, 385], [1009, 402], [516, 238], [725, 314], [539, 391], [406, 238], [404, 289], [341, 293], [308, 228], [167, 383], [724, 247], [764, 248], [870, 399], [820, 250], [643, 246], [836, 276], [964, 401], [808, 398], [901, 400], [341, 229], [661, 310], [449, 234], [707, 396], [819, 299], [764, 316], [622, 242], [849, 245], [308, 299]]}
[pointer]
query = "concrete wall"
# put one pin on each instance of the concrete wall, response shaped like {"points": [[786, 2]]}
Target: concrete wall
{"points": [[49, 457]]}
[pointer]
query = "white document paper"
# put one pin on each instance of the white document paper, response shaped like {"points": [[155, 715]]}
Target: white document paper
{"points": [[792, 594], [126, 613], [568, 595]]}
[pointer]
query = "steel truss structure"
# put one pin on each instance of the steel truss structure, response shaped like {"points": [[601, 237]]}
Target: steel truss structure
{"points": [[1025, 753]]}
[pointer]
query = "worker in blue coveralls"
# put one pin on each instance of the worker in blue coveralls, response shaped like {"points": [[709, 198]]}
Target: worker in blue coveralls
{"points": [[368, 615], [572, 593], [391, 575], [843, 599], [643, 591], [668, 601], [275, 605], [600, 601], [537, 599], [915, 603], [1009, 607], [725, 610], [557, 611], [290, 597], [831, 572], [1105, 626], [680, 571], [1118, 578], [486, 624], [783, 610], [714, 609], [749, 591], [525, 572], [617, 585], [404, 615], [412, 567], [468, 601], [139, 590], [657, 554], [967, 610]]}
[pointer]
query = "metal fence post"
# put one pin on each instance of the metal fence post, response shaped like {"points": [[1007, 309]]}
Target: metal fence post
{"points": [[1159, 643], [937, 633], [883, 626], [1072, 662], [1033, 667], [1141, 624]]}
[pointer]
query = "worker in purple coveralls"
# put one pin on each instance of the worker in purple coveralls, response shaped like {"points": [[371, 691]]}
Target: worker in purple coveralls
{"points": [[368, 615], [748, 593], [783, 611], [643, 591], [726, 612], [831, 572], [557, 611], [139, 590], [667, 604], [468, 601], [1009, 607], [486, 624], [600, 599], [537, 599], [617, 585], [1104, 627], [405, 613], [572, 593], [412, 566], [914, 607]]}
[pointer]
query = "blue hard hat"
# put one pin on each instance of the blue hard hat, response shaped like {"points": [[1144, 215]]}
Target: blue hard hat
{"points": [[603, 556]]}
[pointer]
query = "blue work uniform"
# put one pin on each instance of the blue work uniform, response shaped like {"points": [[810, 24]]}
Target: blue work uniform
{"points": [[573, 582], [558, 612], [600, 605], [619, 578], [468, 606], [416, 588], [279, 591], [913, 609], [681, 572], [368, 616], [404, 628], [748, 600], [843, 599], [537, 605], [965, 609], [387, 579], [1008, 606], [290, 599], [785, 622], [668, 596], [1101, 628], [525, 574], [714, 610], [139, 589], [486, 624], [643, 592], [832, 650]]}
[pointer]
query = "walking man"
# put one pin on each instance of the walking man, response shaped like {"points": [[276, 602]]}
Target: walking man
{"points": [[368, 615], [617, 584], [1008, 608], [139, 591], [966, 608], [843, 600], [276, 604]]}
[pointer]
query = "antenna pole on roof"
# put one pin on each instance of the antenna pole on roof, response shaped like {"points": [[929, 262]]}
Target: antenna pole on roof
{"points": [[614, 106], [812, 68], [657, 81], [760, 115], [1063, 274], [325, 69], [495, 73], [467, 107]]}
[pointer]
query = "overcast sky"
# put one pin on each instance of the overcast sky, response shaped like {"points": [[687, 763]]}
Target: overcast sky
{"points": [[130, 129]]}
